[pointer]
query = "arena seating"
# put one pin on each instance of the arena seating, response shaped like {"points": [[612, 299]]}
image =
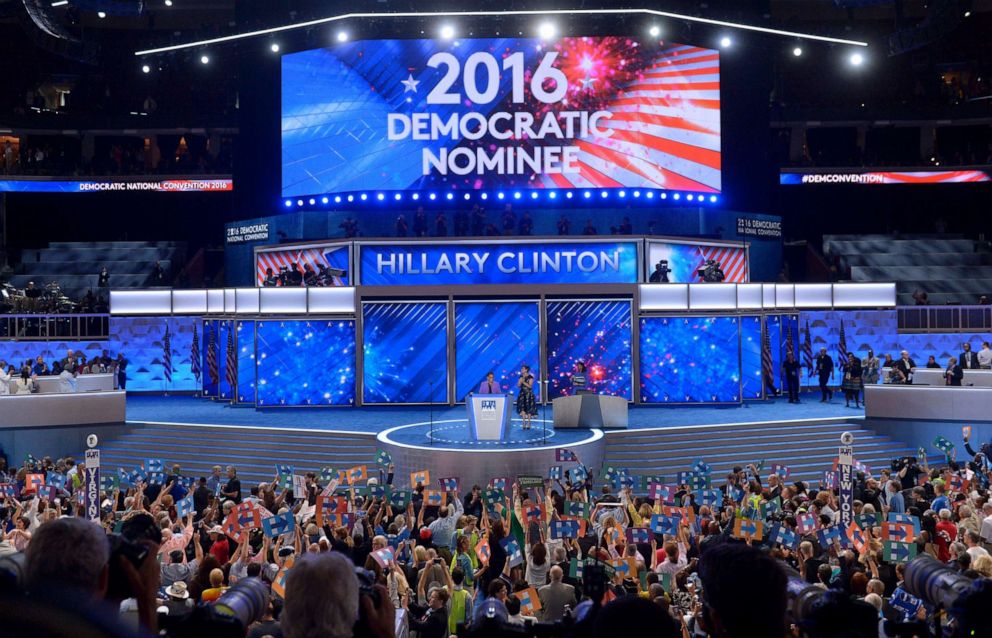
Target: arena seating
{"points": [[949, 268], [76, 265]]}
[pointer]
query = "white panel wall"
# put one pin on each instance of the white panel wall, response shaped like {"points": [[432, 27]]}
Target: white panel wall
{"points": [[140, 302], [331, 300], [246, 300], [290, 301], [713, 297], [664, 296], [814, 295], [867, 295]]}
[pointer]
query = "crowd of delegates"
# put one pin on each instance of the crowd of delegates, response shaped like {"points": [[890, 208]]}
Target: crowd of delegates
{"points": [[22, 378], [366, 553]]}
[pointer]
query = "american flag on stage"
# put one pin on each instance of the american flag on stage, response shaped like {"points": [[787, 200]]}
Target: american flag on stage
{"points": [[212, 368], [789, 346], [167, 355], [808, 351], [767, 366], [194, 355], [665, 127], [232, 360], [842, 346]]}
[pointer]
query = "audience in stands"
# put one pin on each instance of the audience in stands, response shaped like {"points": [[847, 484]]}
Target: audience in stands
{"points": [[701, 555]]}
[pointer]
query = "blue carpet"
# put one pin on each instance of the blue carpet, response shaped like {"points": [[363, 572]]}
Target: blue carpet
{"points": [[186, 409]]}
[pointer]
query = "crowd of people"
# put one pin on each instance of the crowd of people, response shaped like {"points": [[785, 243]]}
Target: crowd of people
{"points": [[361, 552]]}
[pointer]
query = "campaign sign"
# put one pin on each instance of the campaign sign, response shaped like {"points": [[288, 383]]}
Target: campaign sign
{"points": [[471, 114], [92, 494], [590, 262]]}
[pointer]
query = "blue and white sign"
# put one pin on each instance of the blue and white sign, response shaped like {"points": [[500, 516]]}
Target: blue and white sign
{"points": [[498, 263], [92, 495]]}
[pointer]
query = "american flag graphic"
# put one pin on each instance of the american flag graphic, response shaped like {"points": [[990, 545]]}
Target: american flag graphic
{"points": [[276, 259], [733, 262], [767, 366], [212, 368], [808, 351], [167, 355], [842, 346], [231, 373], [194, 355], [665, 124]]}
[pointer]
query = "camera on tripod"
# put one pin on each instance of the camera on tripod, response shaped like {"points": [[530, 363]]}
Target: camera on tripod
{"points": [[711, 272]]}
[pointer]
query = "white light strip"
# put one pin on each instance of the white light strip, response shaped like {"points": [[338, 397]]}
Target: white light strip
{"points": [[60, 3], [457, 14]]}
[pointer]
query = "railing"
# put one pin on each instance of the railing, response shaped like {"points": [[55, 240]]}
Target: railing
{"points": [[51, 327], [945, 318]]}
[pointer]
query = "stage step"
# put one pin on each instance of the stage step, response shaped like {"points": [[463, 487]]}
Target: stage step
{"points": [[254, 451], [807, 448]]}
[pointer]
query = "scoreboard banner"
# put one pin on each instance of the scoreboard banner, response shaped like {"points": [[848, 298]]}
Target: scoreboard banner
{"points": [[791, 178], [115, 185], [503, 113]]}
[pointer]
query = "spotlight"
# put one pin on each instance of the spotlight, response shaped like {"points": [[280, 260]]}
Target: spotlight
{"points": [[274, 47], [516, 196], [101, 14], [397, 196], [415, 196], [351, 198], [450, 196], [380, 197], [447, 32], [312, 201], [650, 195], [798, 51], [725, 42], [712, 199], [432, 197], [546, 31], [323, 200], [499, 196], [299, 202], [568, 195], [604, 194], [146, 69], [664, 195], [689, 197], [622, 193], [552, 195], [637, 193], [364, 196], [676, 196], [533, 195], [587, 194], [468, 196], [168, 3], [967, 14], [342, 36], [204, 59], [484, 196], [288, 203], [654, 31], [337, 199], [856, 59]]}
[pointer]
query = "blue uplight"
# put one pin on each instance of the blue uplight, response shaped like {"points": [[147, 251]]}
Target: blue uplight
{"points": [[664, 195], [468, 196]]}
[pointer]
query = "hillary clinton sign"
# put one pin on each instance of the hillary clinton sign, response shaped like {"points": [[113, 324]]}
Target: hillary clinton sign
{"points": [[590, 262]]}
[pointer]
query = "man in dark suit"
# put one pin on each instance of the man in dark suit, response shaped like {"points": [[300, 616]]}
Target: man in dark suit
{"points": [[430, 621], [791, 367], [825, 370], [953, 374], [555, 595], [968, 359], [904, 368]]}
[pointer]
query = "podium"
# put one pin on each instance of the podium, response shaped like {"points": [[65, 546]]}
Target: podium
{"points": [[489, 416], [589, 411]]}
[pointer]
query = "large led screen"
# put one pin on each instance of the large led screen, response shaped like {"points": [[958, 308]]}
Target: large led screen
{"points": [[305, 363], [751, 384], [686, 263], [320, 266], [690, 360], [246, 362], [228, 360], [210, 358], [405, 358], [495, 336], [470, 114], [597, 333], [160, 352]]}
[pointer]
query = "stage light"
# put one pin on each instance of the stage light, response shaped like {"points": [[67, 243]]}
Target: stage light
{"points": [[689, 197], [312, 201], [547, 30], [415, 196], [337, 199], [450, 196], [516, 196], [967, 14], [798, 51], [204, 59], [650, 195], [552, 195], [637, 193], [364, 196], [288, 203], [397, 196], [146, 69], [604, 194], [676, 196], [380, 197], [856, 59], [533, 195], [587, 194], [323, 200], [168, 3], [568, 195], [101, 14], [664, 195], [299, 202], [499, 196], [342, 36], [622, 193], [432, 197], [712, 199], [274, 47], [468, 196], [484, 196], [351, 198], [447, 32], [654, 31], [725, 42]]}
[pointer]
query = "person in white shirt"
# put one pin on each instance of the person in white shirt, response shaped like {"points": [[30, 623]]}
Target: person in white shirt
{"points": [[972, 540], [985, 356], [4, 379], [986, 531]]}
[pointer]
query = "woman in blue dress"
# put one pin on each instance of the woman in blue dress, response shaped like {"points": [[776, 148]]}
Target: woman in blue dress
{"points": [[526, 402]]}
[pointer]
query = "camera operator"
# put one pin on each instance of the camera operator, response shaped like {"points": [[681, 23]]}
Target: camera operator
{"points": [[660, 274], [70, 561]]}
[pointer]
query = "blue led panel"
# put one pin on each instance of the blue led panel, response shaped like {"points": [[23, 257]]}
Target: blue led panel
{"points": [[690, 360], [405, 353], [301, 363], [497, 336], [599, 334]]}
